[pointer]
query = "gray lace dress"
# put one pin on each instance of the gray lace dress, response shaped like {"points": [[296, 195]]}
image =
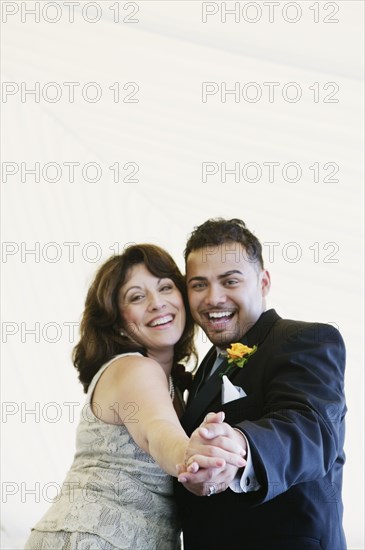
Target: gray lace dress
{"points": [[114, 495]]}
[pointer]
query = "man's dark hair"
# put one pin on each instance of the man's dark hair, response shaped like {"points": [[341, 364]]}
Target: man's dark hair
{"points": [[217, 231]]}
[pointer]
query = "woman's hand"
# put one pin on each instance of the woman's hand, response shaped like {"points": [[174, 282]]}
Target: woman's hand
{"points": [[213, 447]]}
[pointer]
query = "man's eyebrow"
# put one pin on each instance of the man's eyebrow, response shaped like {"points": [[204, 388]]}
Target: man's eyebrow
{"points": [[222, 276], [228, 273], [196, 279]]}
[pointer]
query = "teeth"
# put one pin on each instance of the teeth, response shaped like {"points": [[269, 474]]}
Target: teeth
{"points": [[219, 314], [161, 321]]}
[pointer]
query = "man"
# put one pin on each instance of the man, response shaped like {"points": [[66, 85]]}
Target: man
{"points": [[284, 405]]}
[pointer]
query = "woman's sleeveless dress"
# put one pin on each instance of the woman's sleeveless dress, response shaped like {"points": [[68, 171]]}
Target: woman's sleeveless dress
{"points": [[114, 495]]}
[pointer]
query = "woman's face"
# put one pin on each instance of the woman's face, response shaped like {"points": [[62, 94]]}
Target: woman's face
{"points": [[152, 309]]}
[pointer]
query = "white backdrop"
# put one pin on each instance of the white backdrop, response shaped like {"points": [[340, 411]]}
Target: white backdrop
{"points": [[140, 88]]}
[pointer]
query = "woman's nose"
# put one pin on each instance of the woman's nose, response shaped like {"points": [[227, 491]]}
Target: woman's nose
{"points": [[156, 302]]}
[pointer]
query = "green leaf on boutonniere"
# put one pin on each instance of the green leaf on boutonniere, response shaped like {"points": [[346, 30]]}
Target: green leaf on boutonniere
{"points": [[238, 355]]}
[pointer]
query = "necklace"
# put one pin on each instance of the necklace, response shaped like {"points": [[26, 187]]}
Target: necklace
{"points": [[171, 388]]}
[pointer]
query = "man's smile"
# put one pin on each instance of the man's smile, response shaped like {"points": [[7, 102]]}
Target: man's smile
{"points": [[217, 319]]}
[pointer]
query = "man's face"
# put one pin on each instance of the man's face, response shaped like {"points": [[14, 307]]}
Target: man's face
{"points": [[226, 291]]}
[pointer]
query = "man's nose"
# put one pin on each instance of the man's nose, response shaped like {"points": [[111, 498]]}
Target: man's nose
{"points": [[215, 295]]}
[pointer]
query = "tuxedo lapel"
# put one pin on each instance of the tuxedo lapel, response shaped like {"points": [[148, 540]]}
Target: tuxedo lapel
{"points": [[256, 336], [206, 364], [209, 391]]}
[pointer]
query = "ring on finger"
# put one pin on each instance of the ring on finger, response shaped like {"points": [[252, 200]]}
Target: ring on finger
{"points": [[211, 491]]}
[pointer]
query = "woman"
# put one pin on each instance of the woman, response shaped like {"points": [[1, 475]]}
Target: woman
{"points": [[118, 492]]}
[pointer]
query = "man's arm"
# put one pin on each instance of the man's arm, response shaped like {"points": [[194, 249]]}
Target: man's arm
{"points": [[299, 435]]}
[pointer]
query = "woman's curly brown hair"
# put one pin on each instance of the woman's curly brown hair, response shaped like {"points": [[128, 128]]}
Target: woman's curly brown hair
{"points": [[101, 322]]}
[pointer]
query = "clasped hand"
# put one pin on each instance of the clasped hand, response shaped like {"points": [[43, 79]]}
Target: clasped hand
{"points": [[214, 455]]}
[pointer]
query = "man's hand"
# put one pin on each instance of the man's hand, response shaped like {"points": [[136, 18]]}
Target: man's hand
{"points": [[213, 438]]}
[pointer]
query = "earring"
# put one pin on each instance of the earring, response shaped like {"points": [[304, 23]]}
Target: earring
{"points": [[122, 333]]}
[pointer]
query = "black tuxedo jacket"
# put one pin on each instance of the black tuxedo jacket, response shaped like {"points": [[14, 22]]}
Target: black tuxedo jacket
{"points": [[293, 418]]}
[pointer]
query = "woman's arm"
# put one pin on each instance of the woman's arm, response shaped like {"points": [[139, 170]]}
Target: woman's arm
{"points": [[140, 384]]}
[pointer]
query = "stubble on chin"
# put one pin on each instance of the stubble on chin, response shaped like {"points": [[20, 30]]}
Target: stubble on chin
{"points": [[223, 339]]}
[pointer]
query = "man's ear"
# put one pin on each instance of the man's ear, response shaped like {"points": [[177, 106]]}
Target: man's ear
{"points": [[265, 282]]}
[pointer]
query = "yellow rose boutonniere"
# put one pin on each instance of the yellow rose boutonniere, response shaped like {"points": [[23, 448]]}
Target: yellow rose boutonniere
{"points": [[238, 355]]}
